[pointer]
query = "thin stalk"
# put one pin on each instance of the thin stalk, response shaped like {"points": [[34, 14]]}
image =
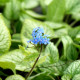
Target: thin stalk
{"points": [[13, 27], [58, 42], [67, 18], [73, 23], [34, 64], [51, 77], [58, 78]]}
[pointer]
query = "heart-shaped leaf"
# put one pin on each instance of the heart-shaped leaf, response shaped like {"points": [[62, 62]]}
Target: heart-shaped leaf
{"points": [[5, 38], [16, 57]]}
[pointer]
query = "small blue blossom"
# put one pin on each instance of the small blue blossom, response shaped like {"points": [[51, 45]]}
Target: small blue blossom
{"points": [[46, 40], [40, 30], [35, 40], [38, 36]]}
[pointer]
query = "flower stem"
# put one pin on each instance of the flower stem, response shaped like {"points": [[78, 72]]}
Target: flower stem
{"points": [[34, 64]]}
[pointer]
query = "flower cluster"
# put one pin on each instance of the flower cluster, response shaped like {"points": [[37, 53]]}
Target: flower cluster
{"points": [[38, 36]]}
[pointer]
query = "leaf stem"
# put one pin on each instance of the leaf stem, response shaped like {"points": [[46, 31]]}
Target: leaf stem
{"points": [[67, 18], [73, 23], [51, 77], [13, 27], [58, 42], [34, 64]]}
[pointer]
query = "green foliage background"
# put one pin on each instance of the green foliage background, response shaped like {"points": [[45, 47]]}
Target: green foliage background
{"points": [[59, 59]]}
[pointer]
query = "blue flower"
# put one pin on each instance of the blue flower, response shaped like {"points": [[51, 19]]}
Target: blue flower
{"points": [[38, 36], [46, 40], [35, 40], [41, 30]]}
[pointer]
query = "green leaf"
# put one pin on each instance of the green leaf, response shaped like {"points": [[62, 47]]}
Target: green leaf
{"points": [[12, 10], [52, 51], [47, 2], [70, 51], [16, 38], [76, 16], [77, 45], [60, 29], [24, 15], [7, 65], [66, 77], [16, 41], [23, 59], [28, 27], [55, 25], [5, 38], [35, 15], [16, 57], [4, 1], [29, 4], [73, 7], [56, 10], [15, 77], [44, 4], [77, 37], [42, 76], [55, 69], [0, 79], [76, 77], [73, 69], [30, 57], [74, 31], [7, 22], [60, 32]]}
